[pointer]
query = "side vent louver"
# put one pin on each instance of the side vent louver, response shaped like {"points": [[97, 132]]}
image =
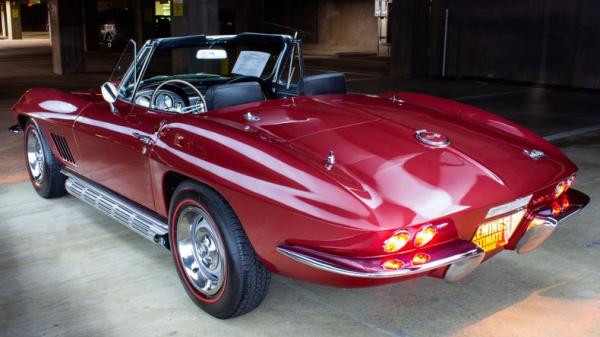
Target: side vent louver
{"points": [[63, 148]]}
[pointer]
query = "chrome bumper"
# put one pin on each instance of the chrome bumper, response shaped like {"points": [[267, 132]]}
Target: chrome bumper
{"points": [[461, 257], [536, 234], [462, 254]]}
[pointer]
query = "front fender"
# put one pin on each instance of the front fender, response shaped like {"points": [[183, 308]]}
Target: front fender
{"points": [[49, 104]]}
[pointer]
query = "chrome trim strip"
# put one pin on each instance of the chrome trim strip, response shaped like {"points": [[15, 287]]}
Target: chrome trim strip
{"points": [[124, 211], [509, 206], [410, 270]]}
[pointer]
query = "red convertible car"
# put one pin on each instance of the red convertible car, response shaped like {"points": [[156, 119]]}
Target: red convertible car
{"points": [[220, 149]]}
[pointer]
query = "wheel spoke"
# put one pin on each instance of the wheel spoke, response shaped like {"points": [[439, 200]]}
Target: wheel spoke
{"points": [[200, 250], [35, 156]]}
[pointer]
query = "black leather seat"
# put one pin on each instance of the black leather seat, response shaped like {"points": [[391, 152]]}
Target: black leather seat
{"points": [[329, 83], [225, 95]]}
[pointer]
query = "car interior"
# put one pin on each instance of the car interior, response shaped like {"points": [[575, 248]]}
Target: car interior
{"points": [[213, 79]]}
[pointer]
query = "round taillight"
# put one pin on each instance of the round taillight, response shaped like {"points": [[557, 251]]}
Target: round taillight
{"points": [[396, 241], [563, 186], [556, 208], [420, 258], [392, 264], [560, 189], [425, 235]]}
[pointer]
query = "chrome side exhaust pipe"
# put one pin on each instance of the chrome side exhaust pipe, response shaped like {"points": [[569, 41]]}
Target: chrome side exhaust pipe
{"points": [[124, 211], [16, 129]]}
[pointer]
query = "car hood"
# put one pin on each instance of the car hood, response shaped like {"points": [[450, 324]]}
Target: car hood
{"points": [[380, 161]]}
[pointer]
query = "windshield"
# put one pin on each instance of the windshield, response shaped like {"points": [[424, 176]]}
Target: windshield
{"points": [[123, 63], [214, 61]]}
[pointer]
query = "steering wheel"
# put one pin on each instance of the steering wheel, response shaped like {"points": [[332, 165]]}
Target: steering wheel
{"points": [[197, 108]]}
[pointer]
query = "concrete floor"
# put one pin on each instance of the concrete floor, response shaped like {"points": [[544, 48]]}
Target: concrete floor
{"points": [[67, 270]]}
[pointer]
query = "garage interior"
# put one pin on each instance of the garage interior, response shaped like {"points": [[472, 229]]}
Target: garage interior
{"points": [[67, 270]]}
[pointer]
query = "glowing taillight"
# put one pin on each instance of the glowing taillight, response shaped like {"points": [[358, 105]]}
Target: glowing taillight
{"points": [[420, 259], [396, 242], [563, 186], [392, 264], [565, 203], [556, 209], [424, 235], [560, 189], [559, 206]]}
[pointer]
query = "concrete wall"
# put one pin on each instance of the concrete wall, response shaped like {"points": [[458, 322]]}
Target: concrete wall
{"points": [[347, 23], [292, 16], [67, 36], [546, 41], [331, 24]]}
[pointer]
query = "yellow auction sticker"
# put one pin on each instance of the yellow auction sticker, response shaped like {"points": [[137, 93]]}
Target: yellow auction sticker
{"points": [[496, 233]]}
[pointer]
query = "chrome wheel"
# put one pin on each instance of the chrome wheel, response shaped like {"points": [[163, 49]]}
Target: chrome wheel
{"points": [[201, 251], [35, 156]]}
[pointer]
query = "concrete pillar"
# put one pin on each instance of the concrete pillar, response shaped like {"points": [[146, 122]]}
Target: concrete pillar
{"points": [[67, 36], [410, 20], [256, 15], [194, 17], [3, 32], [13, 20], [143, 17], [92, 41]]}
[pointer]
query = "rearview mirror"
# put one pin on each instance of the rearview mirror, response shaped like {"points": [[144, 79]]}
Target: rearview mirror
{"points": [[110, 94], [211, 54]]}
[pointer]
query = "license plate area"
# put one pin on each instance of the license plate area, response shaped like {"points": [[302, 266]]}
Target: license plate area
{"points": [[496, 233]]}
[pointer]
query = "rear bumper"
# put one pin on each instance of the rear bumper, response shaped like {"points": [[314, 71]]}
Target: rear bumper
{"points": [[536, 233], [459, 252], [459, 257]]}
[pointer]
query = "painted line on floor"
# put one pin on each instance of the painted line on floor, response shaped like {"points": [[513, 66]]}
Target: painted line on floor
{"points": [[572, 133], [494, 94], [333, 308]]}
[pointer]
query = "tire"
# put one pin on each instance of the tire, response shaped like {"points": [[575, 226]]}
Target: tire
{"points": [[244, 281], [46, 178]]}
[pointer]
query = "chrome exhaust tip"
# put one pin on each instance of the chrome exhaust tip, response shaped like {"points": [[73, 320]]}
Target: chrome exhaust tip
{"points": [[535, 236], [461, 269]]}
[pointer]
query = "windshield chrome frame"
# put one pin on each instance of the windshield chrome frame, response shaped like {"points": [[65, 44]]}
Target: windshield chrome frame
{"points": [[145, 54], [296, 48], [140, 57]]}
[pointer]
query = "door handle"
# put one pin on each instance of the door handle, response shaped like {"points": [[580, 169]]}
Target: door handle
{"points": [[143, 138]]}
